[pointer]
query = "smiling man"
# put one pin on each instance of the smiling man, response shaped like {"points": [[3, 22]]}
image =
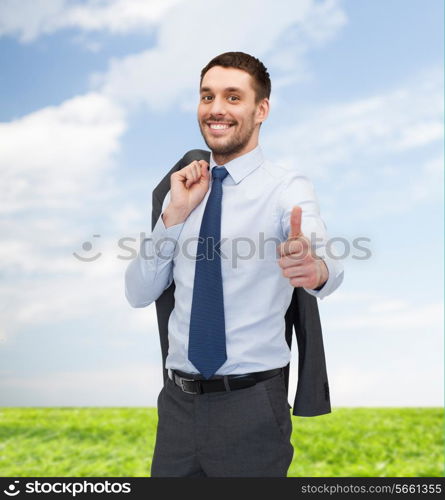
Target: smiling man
{"points": [[234, 238]]}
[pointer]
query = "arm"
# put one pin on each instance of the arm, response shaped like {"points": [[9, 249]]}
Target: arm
{"points": [[304, 258], [151, 272]]}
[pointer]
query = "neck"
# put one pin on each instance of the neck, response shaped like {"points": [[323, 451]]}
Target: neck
{"points": [[221, 159]]}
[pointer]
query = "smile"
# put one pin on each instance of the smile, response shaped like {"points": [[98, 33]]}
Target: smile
{"points": [[219, 126]]}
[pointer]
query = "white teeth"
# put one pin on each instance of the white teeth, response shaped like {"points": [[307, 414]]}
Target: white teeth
{"points": [[218, 126]]}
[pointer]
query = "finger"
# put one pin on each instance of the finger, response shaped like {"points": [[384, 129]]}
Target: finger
{"points": [[294, 266], [183, 175], [189, 178], [205, 177], [204, 165], [196, 171], [293, 272], [290, 247], [292, 261], [295, 223], [188, 171], [300, 281], [204, 169], [302, 259], [298, 248]]}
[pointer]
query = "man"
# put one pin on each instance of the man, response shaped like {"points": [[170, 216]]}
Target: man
{"points": [[233, 236]]}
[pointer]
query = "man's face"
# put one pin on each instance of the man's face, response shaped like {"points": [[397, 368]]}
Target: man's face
{"points": [[227, 114]]}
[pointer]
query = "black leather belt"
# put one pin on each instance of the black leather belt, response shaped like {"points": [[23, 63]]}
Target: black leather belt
{"points": [[196, 384]]}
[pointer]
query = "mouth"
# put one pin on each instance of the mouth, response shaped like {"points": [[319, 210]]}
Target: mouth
{"points": [[219, 128]]}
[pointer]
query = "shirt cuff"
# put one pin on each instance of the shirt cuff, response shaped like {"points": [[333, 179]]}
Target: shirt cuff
{"points": [[335, 278], [163, 240]]}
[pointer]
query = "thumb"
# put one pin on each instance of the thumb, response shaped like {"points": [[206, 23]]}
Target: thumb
{"points": [[295, 223]]}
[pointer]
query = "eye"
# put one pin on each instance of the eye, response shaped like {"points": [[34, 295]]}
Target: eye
{"points": [[233, 98], [206, 98]]}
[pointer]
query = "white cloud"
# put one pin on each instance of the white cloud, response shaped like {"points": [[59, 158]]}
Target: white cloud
{"points": [[338, 134], [169, 72], [383, 350], [127, 385], [30, 19], [360, 310], [392, 141], [48, 288], [56, 156], [395, 384], [390, 316], [57, 183]]}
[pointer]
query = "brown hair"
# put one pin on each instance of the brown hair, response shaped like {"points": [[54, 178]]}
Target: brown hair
{"points": [[248, 63]]}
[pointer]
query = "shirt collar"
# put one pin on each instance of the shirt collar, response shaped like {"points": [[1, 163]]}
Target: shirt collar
{"points": [[243, 165]]}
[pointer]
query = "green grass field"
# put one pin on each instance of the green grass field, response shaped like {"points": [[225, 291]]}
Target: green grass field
{"points": [[85, 442]]}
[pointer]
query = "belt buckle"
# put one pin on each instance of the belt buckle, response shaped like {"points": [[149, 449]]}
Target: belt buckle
{"points": [[182, 380]]}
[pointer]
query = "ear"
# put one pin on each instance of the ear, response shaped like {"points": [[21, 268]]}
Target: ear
{"points": [[262, 110]]}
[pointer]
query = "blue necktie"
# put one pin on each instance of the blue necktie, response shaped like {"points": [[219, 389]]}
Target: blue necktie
{"points": [[207, 335]]}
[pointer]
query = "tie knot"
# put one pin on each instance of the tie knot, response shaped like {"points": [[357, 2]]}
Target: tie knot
{"points": [[219, 173]]}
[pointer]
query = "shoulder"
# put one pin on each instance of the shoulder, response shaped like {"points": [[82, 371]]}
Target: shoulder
{"points": [[286, 175], [293, 185]]}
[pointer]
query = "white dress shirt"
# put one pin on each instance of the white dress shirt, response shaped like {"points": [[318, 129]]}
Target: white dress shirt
{"points": [[258, 197]]}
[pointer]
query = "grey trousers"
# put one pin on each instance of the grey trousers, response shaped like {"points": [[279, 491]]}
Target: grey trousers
{"points": [[241, 433]]}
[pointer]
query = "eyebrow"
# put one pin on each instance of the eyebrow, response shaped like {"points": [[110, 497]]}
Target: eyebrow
{"points": [[227, 89]]}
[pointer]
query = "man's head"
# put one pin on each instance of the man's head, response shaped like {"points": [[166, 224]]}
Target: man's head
{"points": [[234, 101]]}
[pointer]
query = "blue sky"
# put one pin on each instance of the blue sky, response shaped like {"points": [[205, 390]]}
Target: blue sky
{"points": [[98, 101]]}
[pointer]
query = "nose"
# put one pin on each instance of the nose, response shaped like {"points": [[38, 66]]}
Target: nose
{"points": [[217, 107]]}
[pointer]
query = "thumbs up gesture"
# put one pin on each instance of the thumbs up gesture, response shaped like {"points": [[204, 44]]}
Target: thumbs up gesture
{"points": [[297, 260]]}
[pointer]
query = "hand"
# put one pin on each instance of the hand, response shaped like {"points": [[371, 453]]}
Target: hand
{"points": [[188, 187], [298, 262]]}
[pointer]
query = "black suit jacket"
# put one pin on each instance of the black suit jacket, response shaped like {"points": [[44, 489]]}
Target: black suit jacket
{"points": [[312, 396]]}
